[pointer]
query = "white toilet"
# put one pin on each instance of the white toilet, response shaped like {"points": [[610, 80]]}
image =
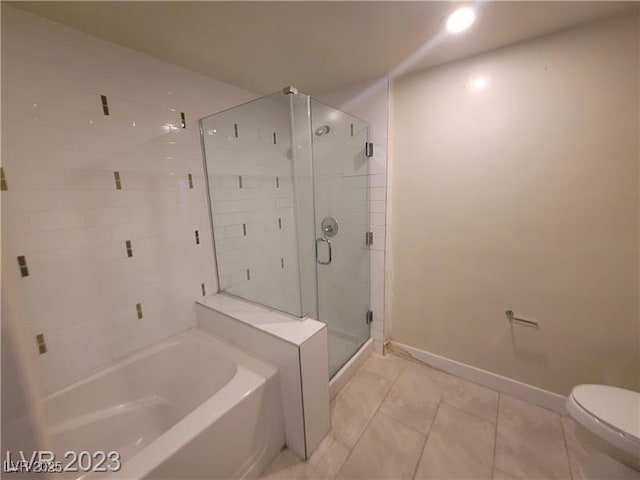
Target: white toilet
{"points": [[609, 418]]}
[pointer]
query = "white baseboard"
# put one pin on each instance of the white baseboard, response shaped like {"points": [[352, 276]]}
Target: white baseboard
{"points": [[512, 387], [343, 375]]}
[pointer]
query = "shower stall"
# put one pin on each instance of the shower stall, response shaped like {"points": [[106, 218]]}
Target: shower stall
{"points": [[287, 179]]}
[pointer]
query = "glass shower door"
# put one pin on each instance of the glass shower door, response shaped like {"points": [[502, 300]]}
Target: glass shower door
{"points": [[340, 169]]}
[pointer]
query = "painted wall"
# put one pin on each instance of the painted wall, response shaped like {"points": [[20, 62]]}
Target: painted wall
{"points": [[515, 186], [68, 216]]}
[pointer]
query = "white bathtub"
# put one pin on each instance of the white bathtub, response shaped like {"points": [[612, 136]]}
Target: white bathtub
{"points": [[191, 406]]}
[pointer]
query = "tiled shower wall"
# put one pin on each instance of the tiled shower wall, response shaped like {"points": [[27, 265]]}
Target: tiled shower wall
{"points": [[106, 236]]}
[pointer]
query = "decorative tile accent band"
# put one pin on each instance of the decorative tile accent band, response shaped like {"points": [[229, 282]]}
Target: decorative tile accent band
{"points": [[105, 104], [42, 345], [204, 291], [129, 248], [3, 180], [139, 310], [22, 263], [197, 237], [183, 120], [116, 177], [190, 177]]}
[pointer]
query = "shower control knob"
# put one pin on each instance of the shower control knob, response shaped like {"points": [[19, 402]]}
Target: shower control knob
{"points": [[329, 226]]}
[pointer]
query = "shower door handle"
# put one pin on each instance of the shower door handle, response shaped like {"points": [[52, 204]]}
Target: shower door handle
{"points": [[318, 241]]}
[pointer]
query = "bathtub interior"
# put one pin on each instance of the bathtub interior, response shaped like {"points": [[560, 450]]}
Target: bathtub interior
{"points": [[128, 405]]}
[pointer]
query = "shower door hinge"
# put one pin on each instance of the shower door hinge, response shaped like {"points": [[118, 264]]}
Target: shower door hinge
{"points": [[368, 149], [369, 317], [368, 239]]}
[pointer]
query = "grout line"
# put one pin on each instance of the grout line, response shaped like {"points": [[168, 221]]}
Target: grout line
{"points": [[92, 246], [105, 189], [404, 424], [304, 423], [475, 415], [495, 438], [566, 448], [341, 443], [411, 358], [404, 367], [424, 447], [374, 413]]}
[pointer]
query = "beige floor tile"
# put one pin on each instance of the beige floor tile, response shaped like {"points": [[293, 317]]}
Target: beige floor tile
{"points": [[500, 475], [577, 451], [386, 450], [530, 442], [472, 398], [388, 366], [287, 465], [460, 445], [441, 378], [354, 406], [328, 458], [414, 397], [525, 413]]}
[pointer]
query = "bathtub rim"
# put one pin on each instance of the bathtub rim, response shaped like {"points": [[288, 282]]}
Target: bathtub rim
{"points": [[258, 365]]}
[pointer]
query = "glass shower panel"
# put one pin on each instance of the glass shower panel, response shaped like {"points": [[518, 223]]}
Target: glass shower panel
{"points": [[340, 169], [250, 171]]}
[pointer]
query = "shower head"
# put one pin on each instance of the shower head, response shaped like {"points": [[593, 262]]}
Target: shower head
{"points": [[323, 130]]}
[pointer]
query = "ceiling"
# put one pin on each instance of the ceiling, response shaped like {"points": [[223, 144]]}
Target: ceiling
{"points": [[316, 46]]}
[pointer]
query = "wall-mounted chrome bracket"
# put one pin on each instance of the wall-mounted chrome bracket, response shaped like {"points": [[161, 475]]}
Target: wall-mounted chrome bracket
{"points": [[368, 149], [368, 238], [369, 317]]}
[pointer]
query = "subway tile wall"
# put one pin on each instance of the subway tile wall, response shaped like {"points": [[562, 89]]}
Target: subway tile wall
{"points": [[102, 190]]}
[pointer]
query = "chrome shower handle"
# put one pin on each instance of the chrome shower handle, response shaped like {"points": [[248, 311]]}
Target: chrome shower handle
{"points": [[319, 240]]}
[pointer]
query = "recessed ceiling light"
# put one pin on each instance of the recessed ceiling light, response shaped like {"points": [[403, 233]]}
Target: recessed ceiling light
{"points": [[461, 19]]}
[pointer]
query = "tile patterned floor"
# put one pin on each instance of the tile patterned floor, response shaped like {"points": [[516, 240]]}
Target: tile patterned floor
{"points": [[400, 419]]}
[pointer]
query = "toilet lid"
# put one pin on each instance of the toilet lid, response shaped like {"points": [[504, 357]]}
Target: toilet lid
{"points": [[618, 407]]}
